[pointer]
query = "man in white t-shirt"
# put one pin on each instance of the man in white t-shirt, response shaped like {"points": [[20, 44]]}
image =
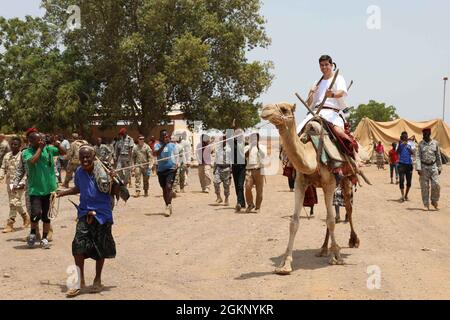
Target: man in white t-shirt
{"points": [[335, 103]]}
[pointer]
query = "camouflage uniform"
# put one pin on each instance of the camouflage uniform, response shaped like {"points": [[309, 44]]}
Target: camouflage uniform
{"points": [[180, 176], [123, 151], [429, 162], [73, 160], [8, 171], [222, 169], [4, 149], [19, 176], [142, 155], [104, 153]]}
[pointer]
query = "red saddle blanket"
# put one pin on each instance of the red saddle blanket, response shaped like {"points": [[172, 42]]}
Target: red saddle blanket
{"points": [[345, 141]]}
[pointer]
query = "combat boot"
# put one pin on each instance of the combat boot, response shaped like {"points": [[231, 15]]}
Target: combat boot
{"points": [[9, 226], [137, 194], [26, 221]]}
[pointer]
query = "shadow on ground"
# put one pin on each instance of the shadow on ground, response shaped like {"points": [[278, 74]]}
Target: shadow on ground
{"points": [[301, 260]]}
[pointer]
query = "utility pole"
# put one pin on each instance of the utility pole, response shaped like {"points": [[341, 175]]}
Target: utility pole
{"points": [[443, 106]]}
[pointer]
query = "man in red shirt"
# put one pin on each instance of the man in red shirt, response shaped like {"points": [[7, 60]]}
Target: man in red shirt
{"points": [[393, 163]]}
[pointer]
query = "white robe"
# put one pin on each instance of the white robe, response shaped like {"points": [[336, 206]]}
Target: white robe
{"points": [[327, 114]]}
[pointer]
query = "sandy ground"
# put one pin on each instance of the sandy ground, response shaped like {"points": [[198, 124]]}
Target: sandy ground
{"points": [[209, 252]]}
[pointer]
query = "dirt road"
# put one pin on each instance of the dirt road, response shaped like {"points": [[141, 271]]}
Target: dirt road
{"points": [[209, 252]]}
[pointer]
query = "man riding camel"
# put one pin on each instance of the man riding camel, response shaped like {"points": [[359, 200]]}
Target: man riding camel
{"points": [[335, 103]]}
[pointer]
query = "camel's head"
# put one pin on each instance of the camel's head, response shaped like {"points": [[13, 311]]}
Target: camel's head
{"points": [[279, 113]]}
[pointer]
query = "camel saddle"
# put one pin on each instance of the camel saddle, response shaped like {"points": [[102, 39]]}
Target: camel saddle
{"points": [[335, 148], [332, 145]]}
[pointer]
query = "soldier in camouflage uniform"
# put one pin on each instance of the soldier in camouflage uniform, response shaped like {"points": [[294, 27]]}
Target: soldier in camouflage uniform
{"points": [[103, 152], [222, 170], [72, 158], [4, 147], [429, 167], [142, 154], [123, 151], [8, 170]]}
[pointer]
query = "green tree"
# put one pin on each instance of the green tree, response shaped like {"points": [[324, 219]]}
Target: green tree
{"points": [[153, 55], [39, 85], [373, 110]]}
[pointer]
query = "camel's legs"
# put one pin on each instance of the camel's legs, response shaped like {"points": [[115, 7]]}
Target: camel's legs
{"points": [[334, 249], [286, 264], [346, 189], [324, 250]]}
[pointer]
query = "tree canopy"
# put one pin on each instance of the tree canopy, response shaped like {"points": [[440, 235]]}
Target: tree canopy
{"points": [[373, 110], [39, 84], [135, 61]]}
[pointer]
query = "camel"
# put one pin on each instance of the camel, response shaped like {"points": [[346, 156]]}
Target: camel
{"points": [[303, 157]]}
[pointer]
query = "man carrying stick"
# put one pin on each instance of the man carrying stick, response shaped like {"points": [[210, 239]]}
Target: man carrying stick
{"points": [[93, 238]]}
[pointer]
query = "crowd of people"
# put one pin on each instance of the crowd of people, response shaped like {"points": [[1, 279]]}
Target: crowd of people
{"points": [[101, 173]]}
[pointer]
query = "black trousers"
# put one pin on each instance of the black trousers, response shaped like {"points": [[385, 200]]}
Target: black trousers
{"points": [[239, 171], [40, 206], [405, 171], [166, 179]]}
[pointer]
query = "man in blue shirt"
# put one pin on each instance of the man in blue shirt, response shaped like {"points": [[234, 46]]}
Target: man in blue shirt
{"points": [[167, 155], [405, 150], [93, 238]]}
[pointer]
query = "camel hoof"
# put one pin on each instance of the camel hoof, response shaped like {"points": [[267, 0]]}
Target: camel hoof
{"points": [[322, 253], [283, 271], [353, 243], [285, 268], [333, 261]]}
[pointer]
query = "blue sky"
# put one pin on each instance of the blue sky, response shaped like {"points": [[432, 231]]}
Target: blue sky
{"points": [[402, 64]]}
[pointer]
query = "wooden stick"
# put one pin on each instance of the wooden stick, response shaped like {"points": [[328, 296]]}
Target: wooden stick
{"points": [[325, 97], [304, 103], [350, 85]]}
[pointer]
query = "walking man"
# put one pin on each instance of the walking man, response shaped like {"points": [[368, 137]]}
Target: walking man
{"points": [[180, 177], [166, 153], [142, 156], [429, 167], [187, 154], [222, 170], [239, 168], [204, 154], [4, 147], [103, 152], [61, 163], [8, 170], [256, 155], [405, 151], [41, 183], [123, 152], [72, 158]]}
